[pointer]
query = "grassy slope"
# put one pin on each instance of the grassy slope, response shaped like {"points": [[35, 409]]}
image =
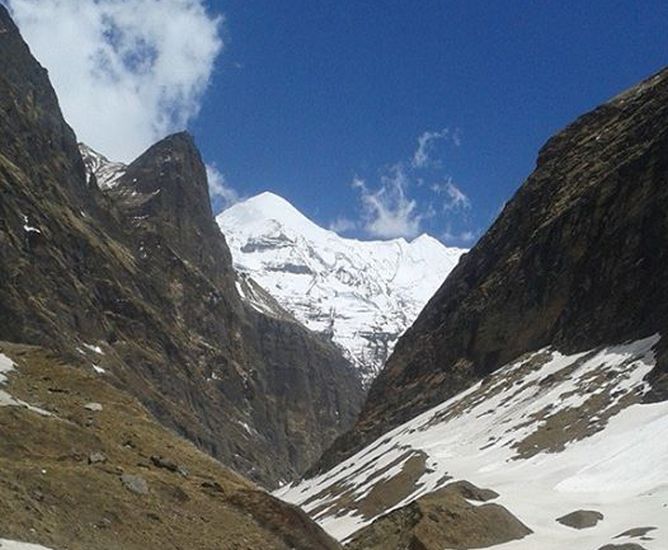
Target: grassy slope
{"points": [[50, 494]]}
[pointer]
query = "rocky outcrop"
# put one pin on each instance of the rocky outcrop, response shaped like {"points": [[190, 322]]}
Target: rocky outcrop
{"points": [[441, 519], [137, 281], [576, 260], [581, 519]]}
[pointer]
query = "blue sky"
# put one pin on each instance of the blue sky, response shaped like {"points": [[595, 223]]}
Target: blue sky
{"points": [[323, 102], [309, 95]]}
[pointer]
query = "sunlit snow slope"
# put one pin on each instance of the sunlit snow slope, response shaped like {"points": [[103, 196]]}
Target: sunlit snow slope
{"points": [[552, 434], [363, 294]]}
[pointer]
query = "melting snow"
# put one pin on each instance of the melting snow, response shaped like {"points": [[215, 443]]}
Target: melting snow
{"points": [[29, 228], [614, 456], [96, 349]]}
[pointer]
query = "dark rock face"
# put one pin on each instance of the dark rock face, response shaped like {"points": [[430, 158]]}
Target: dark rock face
{"points": [[28, 102], [143, 273], [577, 259], [581, 519]]}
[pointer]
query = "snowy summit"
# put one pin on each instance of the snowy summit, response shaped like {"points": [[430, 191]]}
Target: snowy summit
{"points": [[363, 294]]}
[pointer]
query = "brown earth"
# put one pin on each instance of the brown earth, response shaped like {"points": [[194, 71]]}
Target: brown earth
{"points": [[383, 494], [56, 490]]}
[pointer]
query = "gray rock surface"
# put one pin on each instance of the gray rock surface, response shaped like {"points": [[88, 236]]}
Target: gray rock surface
{"points": [[581, 519], [135, 483]]}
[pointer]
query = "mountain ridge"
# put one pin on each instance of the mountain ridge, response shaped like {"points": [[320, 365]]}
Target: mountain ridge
{"points": [[141, 272], [362, 294]]}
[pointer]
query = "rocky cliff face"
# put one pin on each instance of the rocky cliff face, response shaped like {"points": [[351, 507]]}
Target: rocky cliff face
{"points": [[577, 259], [137, 281]]}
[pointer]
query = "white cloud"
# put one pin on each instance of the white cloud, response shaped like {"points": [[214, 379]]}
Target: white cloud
{"points": [[421, 158], [343, 225], [455, 198], [127, 72], [457, 137], [387, 211], [222, 195], [401, 205]]}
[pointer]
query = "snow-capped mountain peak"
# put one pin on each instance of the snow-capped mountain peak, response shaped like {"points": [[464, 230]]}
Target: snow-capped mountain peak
{"points": [[269, 207], [363, 294]]}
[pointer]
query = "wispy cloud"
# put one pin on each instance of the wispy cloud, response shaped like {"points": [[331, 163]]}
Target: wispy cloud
{"points": [[422, 158], [127, 72], [222, 195], [407, 199], [387, 210], [455, 198], [457, 137], [343, 225], [461, 238]]}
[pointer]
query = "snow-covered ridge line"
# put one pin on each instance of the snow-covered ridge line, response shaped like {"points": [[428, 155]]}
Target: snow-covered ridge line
{"points": [[364, 294], [551, 433], [106, 171]]}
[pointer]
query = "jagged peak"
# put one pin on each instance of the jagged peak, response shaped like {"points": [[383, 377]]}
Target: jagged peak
{"points": [[342, 287], [180, 142], [107, 173], [171, 171], [176, 151], [88, 150], [271, 209]]}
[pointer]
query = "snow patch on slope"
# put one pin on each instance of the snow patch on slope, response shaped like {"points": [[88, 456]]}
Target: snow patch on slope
{"points": [[106, 171], [7, 400], [363, 294], [550, 433], [6, 544]]}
